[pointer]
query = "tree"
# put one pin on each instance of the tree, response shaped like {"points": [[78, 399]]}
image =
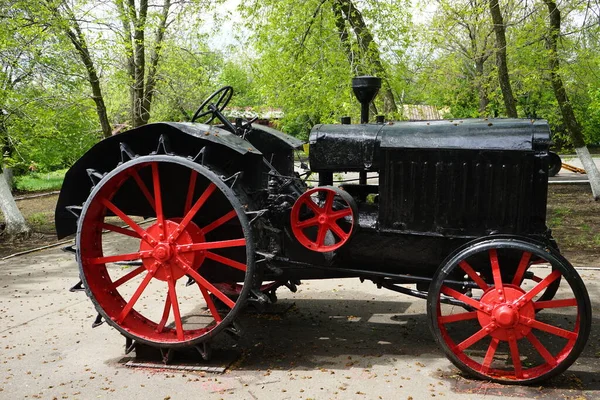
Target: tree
{"points": [[66, 21], [463, 30], [369, 53], [569, 118], [501, 59], [142, 74], [307, 52]]}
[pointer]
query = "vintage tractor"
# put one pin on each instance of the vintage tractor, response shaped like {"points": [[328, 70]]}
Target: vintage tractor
{"points": [[180, 225]]}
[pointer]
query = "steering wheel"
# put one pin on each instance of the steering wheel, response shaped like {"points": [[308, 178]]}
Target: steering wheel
{"points": [[214, 110]]}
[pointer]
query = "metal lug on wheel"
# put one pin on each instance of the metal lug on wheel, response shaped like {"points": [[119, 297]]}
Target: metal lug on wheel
{"points": [[78, 287], [232, 180], [95, 176], [190, 281], [98, 321], [292, 286], [126, 152], [205, 350], [75, 210], [163, 143], [200, 156], [129, 345], [260, 300], [234, 330], [167, 355]]}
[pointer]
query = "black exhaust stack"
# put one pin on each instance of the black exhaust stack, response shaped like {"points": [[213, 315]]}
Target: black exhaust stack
{"points": [[365, 89]]}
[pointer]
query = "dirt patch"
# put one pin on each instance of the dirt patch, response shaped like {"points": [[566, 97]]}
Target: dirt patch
{"points": [[573, 216], [39, 213]]}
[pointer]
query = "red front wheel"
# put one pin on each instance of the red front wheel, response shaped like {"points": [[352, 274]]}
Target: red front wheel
{"points": [[497, 324], [323, 219]]}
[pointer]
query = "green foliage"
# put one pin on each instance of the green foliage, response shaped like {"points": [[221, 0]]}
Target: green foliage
{"points": [[40, 181]]}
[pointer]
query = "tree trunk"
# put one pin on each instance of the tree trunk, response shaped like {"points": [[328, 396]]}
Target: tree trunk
{"points": [[16, 227], [142, 75], [480, 83], [569, 118], [154, 58], [501, 63], [70, 26], [369, 49]]}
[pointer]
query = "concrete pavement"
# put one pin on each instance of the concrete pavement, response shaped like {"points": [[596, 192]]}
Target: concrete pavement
{"points": [[334, 339]]}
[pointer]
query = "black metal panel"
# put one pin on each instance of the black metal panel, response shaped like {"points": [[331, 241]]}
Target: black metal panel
{"points": [[344, 147], [359, 147], [484, 134], [462, 193]]}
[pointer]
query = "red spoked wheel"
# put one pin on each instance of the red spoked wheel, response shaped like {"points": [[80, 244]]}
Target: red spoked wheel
{"points": [[323, 219], [170, 220], [509, 332]]}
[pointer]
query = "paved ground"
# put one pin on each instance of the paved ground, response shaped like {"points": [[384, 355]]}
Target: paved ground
{"points": [[336, 339]]}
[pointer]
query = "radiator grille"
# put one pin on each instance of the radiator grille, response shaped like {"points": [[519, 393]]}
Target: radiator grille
{"points": [[467, 193]]}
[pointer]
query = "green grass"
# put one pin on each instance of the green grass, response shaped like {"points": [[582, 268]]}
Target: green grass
{"points": [[40, 181]]}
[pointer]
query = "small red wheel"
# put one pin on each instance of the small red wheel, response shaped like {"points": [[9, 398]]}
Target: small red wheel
{"points": [[323, 219], [511, 332]]}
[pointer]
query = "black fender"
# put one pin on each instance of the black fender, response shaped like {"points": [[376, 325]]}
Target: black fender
{"points": [[201, 142]]}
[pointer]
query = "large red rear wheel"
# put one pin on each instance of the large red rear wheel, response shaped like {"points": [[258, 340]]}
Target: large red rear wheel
{"points": [[498, 324], [171, 219]]}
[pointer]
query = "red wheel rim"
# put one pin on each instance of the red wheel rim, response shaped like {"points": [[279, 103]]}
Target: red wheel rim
{"points": [[323, 219], [205, 241], [509, 332]]}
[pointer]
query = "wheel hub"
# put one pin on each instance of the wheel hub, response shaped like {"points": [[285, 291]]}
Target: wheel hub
{"points": [[169, 258], [162, 252], [503, 316], [506, 316]]}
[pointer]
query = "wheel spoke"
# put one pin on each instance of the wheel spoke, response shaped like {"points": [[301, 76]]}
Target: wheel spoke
{"points": [[496, 272], [308, 223], [549, 328], [313, 206], [448, 319], [118, 229], [192, 213], [340, 214], [143, 188], [516, 356], [473, 275], [489, 355], [158, 198], [211, 304], [226, 261], [539, 287], [459, 296], [128, 277], [215, 224], [470, 341], [539, 305], [329, 201], [125, 218], [119, 257], [541, 349], [175, 306], [321, 235], [191, 190], [338, 231], [213, 245], [200, 280], [523, 264], [536, 278], [136, 296], [166, 312]]}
